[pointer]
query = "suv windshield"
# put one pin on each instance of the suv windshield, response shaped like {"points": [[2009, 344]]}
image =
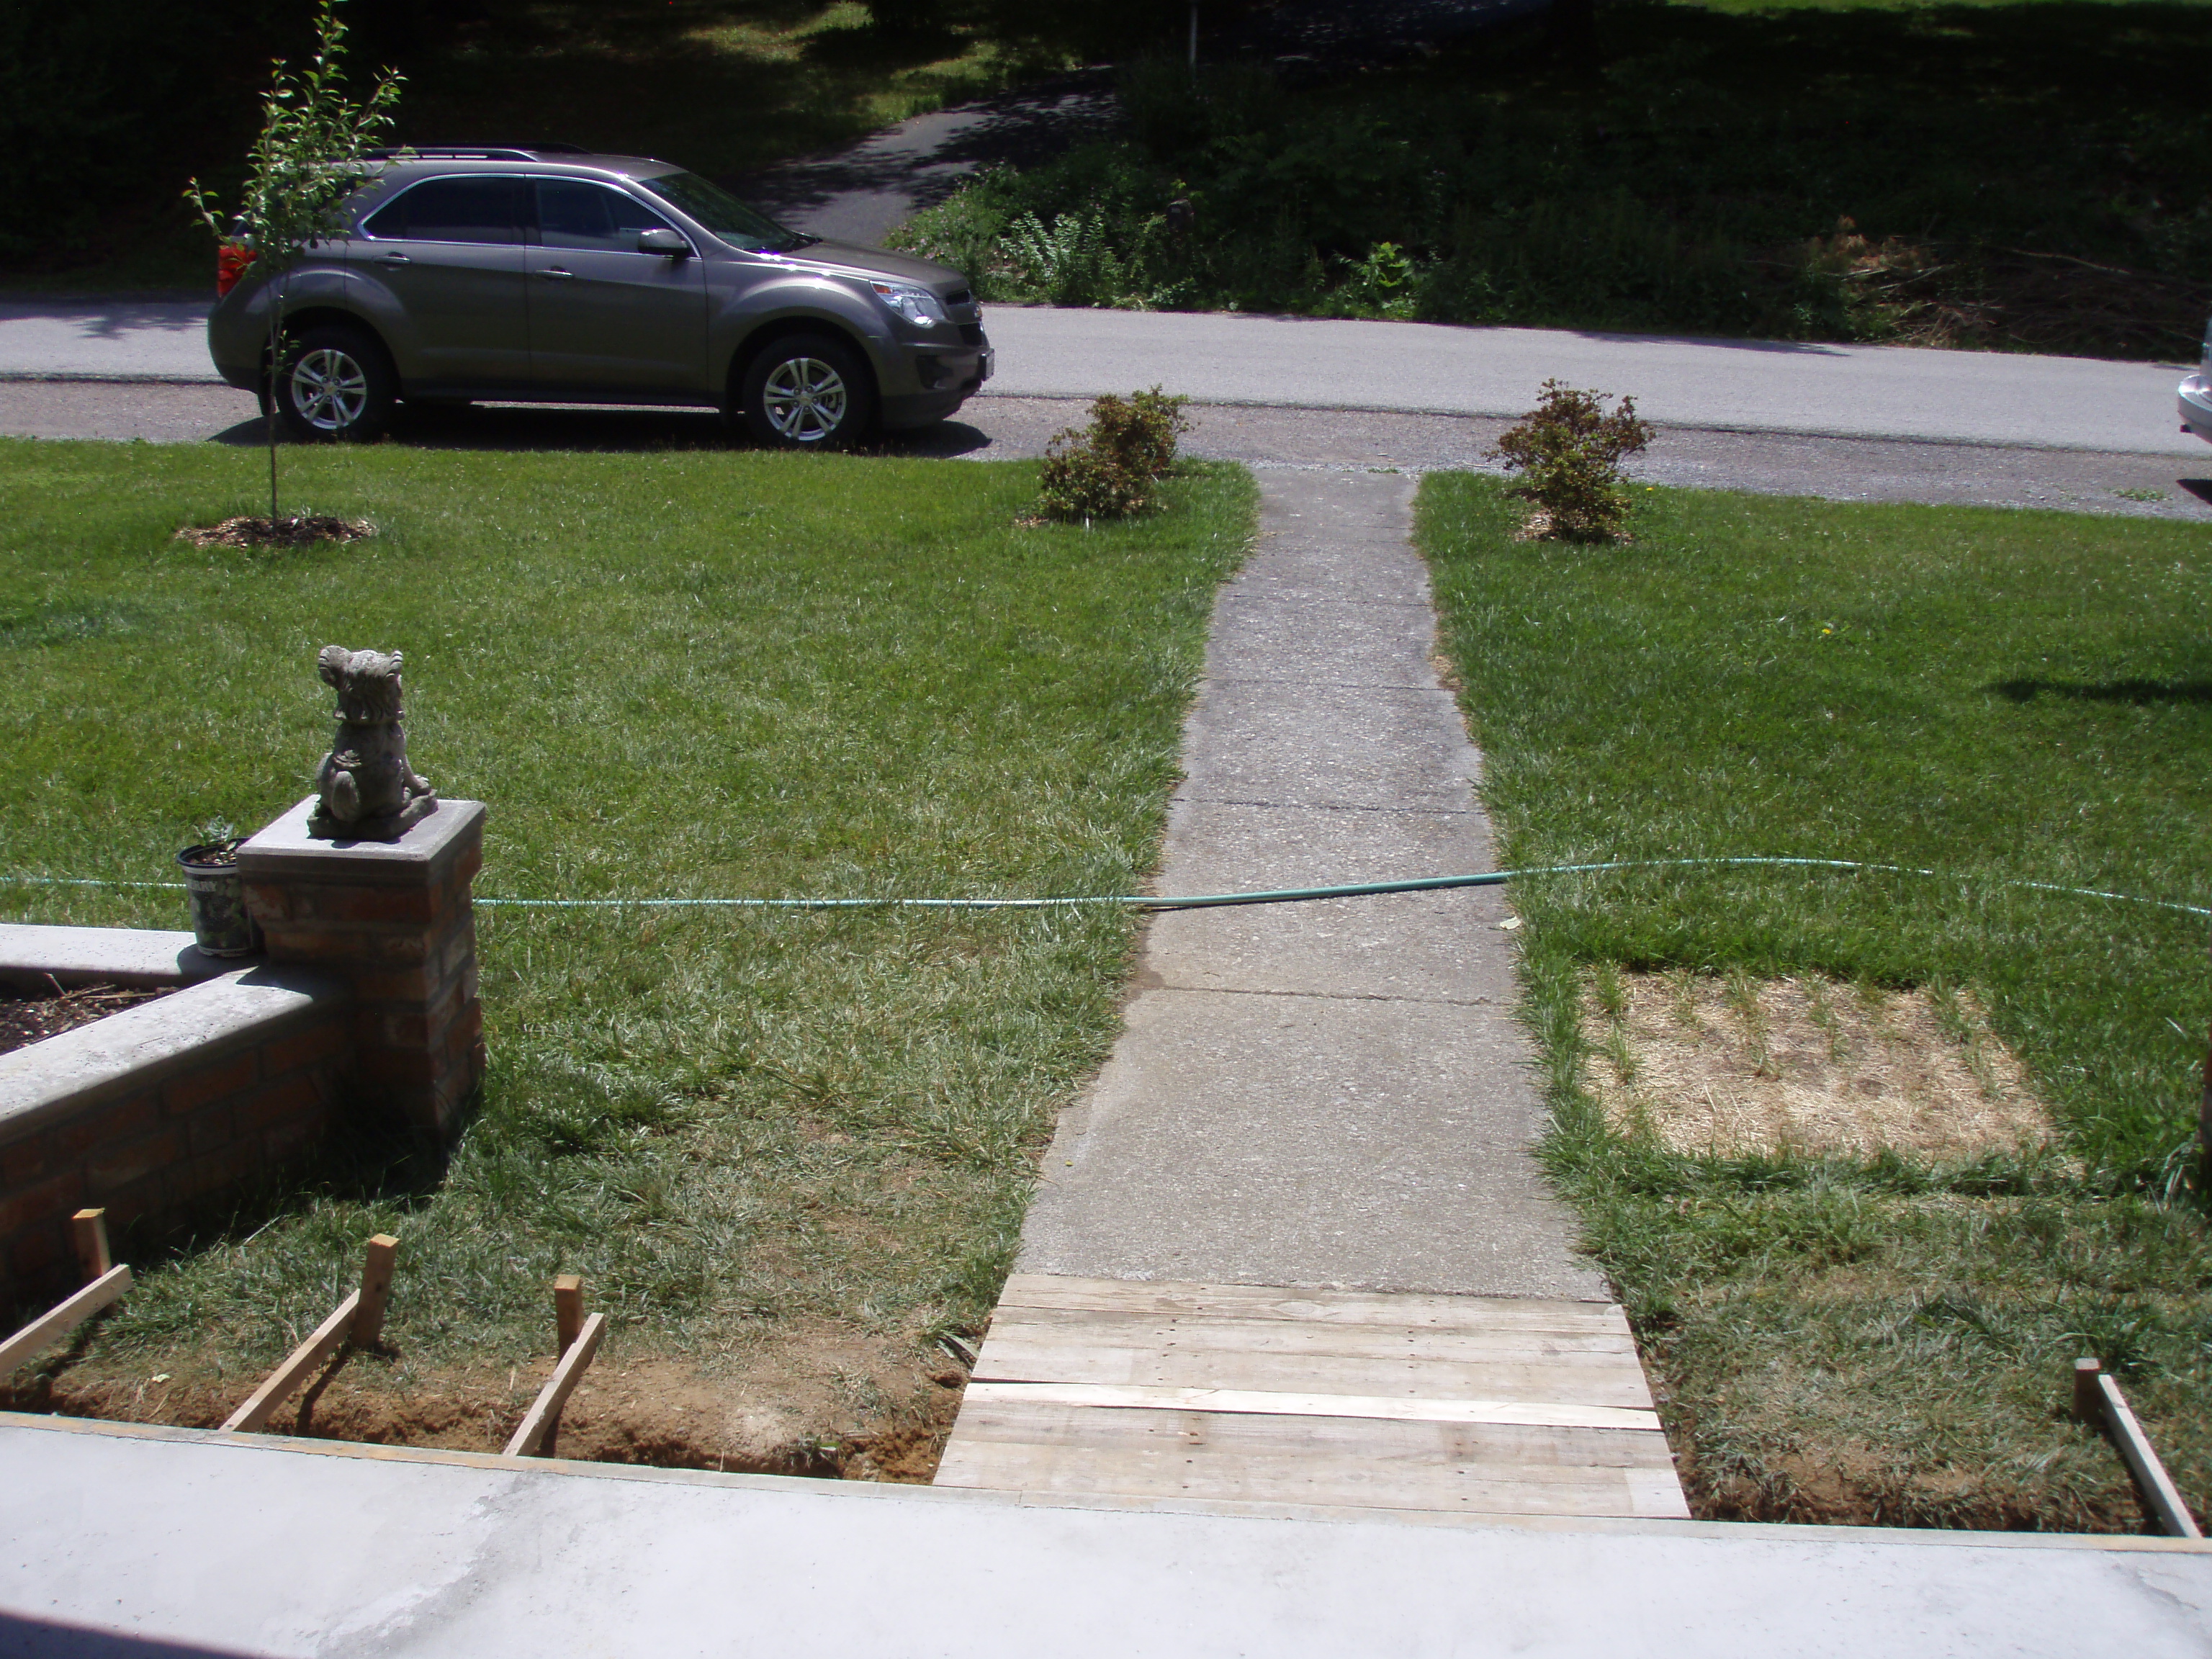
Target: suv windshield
{"points": [[724, 214]]}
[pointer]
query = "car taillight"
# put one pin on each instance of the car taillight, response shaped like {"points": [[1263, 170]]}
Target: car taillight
{"points": [[230, 263]]}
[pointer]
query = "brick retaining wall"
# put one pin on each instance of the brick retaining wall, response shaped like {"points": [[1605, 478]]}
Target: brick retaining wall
{"points": [[151, 1111]]}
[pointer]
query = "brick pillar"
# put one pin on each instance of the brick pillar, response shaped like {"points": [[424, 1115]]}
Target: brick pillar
{"points": [[396, 921]]}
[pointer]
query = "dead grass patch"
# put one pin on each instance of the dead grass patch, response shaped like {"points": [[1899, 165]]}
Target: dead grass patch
{"points": [[1731, 1066]]}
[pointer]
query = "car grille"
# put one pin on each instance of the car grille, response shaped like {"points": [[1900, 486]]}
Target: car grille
{"points": [[960, 297], [971, 334]]}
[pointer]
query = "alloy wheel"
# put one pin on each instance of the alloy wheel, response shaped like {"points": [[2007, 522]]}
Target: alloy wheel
{"points": [[805, 400], [329, 389]]}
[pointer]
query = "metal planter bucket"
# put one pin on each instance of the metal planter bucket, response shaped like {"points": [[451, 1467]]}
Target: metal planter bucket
{"points": [[217, 896]]}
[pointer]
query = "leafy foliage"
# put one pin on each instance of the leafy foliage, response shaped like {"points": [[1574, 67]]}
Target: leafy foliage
{"points": [[1568, 450], [311, 155], [1107, 471], [1801, 172]]}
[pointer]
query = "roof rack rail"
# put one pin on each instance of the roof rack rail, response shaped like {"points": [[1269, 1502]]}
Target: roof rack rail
{"points": [[475, 152]]}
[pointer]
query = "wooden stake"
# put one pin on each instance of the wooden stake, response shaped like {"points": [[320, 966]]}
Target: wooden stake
{"points": [[60, 1320], [375, 1291], [299, 1365], [358, 1320], [2088, 1398], [567, 1310], [91, 1229], [2159, 1495], [545, 1412], [2099, 1402]]}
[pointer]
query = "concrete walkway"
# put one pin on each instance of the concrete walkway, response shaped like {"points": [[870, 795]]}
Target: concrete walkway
{"points": [[1331, 1094], [1327, 1100]]}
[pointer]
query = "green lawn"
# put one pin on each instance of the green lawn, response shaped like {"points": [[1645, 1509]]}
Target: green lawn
{"points": [[692, 674], [2014, 175], [2003, 697]]}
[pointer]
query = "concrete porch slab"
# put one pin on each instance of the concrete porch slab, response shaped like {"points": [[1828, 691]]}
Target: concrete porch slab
{"points": [[140, 1543]]}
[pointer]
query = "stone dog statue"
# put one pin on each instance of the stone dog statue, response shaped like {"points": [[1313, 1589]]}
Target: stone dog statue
{"points": [[368, 792]]}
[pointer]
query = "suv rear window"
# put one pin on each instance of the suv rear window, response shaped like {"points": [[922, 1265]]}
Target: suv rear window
{"points": [[453, 210], [724, 214]]}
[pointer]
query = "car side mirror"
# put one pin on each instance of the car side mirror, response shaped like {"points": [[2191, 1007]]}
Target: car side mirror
{"points": [[661, 239]]}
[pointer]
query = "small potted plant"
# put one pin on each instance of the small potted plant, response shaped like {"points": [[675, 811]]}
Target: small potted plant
{"points": [[221, 925]]}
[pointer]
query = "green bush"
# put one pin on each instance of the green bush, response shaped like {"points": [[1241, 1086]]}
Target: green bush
{"points": [[1568, 450], [1106, 471], [1697, 183]]}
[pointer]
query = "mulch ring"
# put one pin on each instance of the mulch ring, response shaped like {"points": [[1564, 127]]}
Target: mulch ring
{"points": [[28, 1019], [303, 531]]}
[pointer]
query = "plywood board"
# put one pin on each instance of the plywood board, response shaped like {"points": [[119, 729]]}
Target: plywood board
{"points": [[1545, 1414], [1052, 1292], [1470, 1404], [1281, 1460]]}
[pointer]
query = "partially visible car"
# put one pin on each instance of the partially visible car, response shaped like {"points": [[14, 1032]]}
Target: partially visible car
{"points": [[550, 275], [2196, 394]]}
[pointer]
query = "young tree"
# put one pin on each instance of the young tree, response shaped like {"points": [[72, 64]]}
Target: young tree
{"points": [[313, 152]]}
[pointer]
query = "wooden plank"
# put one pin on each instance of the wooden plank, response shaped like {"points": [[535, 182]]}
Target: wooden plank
{"points": [[545, 1410], [299, 1365], [1079, 1430], [1542, 1414], [375, 1291], [1617, 1382], [1298, 1474], [2159, 1494], [90, 1228], [1208, 1335], [62, 1318], [1043, 1291]]}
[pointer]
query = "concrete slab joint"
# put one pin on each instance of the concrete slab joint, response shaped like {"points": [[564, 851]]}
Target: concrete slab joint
{"points": [[396, 921]]}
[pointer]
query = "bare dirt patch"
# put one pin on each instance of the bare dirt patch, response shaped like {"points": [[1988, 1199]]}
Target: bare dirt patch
{"points": [[825, 1403], [304, 531], [28, 1019], [1732, 1066]]}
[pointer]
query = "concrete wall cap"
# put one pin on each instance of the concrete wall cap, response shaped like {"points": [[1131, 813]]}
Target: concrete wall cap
{"points": [[144, 1045], [102, 956], [285, 850]]}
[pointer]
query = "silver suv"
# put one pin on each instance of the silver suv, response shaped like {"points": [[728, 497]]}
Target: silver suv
{"points": [[550, 275]]}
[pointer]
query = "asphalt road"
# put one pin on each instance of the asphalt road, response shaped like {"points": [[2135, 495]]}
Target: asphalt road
{"points": [[1843, 422], [1866, 392]]}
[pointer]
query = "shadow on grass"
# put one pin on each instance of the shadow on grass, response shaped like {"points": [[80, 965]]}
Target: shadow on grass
{"points": [[524, 428], [2140, 693]]}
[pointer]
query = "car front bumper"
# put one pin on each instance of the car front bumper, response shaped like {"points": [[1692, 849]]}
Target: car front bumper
{"points": [[947, 375], [2196, 401]]}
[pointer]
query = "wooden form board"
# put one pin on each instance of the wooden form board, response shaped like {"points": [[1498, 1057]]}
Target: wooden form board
{"points": [[1472, 1404]]}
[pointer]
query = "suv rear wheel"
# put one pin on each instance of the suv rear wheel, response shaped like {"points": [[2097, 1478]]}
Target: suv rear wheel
{"points": [[807, 391], [336, 383]]}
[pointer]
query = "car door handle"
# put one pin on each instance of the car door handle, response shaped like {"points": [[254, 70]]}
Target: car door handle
{"points": [[558, 274], [396, 260]]}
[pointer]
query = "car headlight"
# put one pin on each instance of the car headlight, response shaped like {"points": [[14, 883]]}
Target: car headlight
{"points": [[917, 304]]}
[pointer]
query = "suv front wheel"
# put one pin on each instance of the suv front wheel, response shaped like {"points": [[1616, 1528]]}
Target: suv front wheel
{"points": [[336, 383], [807, 391]]}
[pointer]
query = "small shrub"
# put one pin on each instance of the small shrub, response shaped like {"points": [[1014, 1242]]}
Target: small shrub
{"points": [[1079, 482], [1139, 431], [1568, 450], [1106, 470]]}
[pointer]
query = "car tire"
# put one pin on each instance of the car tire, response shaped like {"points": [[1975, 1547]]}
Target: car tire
{"points": [[335, 384], [807, 391]]}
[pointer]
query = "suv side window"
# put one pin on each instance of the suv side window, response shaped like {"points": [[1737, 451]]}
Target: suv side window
{"points": [[576, 212], [453, 210]]}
